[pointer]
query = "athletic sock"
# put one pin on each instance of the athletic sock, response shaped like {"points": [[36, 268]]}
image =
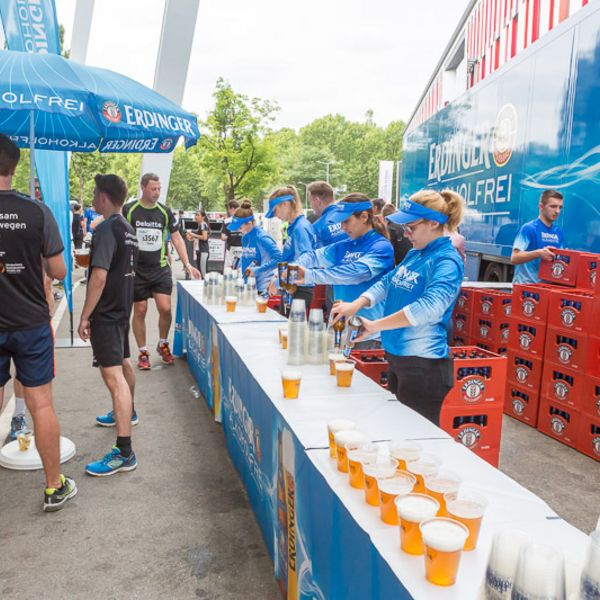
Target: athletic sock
{"points": [[143, 348], [161, 341], [19, 407], [124, 445]]}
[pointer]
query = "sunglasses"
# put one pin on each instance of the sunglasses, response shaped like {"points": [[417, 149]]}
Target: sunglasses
{"points": [[410, 227]]}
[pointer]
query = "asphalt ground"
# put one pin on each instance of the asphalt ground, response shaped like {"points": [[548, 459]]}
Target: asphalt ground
{"points": [[180, 526]]}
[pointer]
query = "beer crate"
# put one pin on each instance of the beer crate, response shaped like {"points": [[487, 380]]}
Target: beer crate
{"points": [[319, 298], [593, 366], [501, 349], [490, 330], [562, 269], [459, 340], [464, 302], [530, 302], [567, 349], [274, 302], [492, 303], [524, 370], [461, 324], [573, 309], [478, 428], [558, 421], [588, 437], [479, 377], [491, 456], [563, 385], [590, 401], [522, 403], [587, 271], [527, 337], [373, 364]]}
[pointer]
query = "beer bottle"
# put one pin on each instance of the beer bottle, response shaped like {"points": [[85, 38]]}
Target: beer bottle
{"points": [[338, 328], [292, 277], [354, 327], [281, 269]]}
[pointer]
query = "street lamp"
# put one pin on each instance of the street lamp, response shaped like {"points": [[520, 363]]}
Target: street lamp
{"points": [[327, 163]]}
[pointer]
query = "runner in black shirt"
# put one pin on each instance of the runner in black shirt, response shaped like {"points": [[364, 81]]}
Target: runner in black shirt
{"points": [[200, 240], [153, 222], [232, 239], [105, 317], [29, 238]]}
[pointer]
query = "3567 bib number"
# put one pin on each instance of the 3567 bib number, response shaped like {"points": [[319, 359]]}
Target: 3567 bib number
{"points": [[149, 240]]}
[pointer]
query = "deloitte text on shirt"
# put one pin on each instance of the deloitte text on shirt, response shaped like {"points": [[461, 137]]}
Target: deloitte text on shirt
{"points": [[533, 236]]}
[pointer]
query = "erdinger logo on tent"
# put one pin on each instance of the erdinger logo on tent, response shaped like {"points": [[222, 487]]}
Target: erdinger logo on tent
{"points": [[166, 144], [558, 269], [111, 111], [557, 425], [505, 134], [473, 388], [568, 316], [469, 437]]}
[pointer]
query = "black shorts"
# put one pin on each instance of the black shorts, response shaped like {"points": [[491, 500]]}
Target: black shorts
{"points": [[32, 351], [110, 344], [150, 282]]}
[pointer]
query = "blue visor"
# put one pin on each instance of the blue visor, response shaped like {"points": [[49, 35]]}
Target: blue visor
{"points": [[344, 210], [412, 211], [237, 222], [274, 202]]}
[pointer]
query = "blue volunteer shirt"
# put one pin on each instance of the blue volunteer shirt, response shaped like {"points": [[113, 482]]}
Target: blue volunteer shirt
{"points": [[326, 231], [425, 286], [533, 236], [362, 261], [260, 252], [91, 215], [300, 239]]}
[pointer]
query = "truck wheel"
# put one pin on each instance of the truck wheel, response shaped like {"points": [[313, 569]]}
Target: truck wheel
{"points": [[496, 272]]}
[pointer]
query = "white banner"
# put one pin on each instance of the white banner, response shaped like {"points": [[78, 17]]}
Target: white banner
{"points": [[386, 179]]}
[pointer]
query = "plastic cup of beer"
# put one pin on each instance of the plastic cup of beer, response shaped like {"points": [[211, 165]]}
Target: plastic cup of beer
{"points": [[82, 257], [468, 507], [334, 357], [443, 482], [344, 369], [540, 573], [337, 425], [443, 540], [502, 563], [290, 380], [261, 304], [374, 472], [400, 484], [343, 439], [590, 576], [412, 510], [230, 302], [424, 466], [362, 454], [283, 334], [405, 451], [24, 439]]}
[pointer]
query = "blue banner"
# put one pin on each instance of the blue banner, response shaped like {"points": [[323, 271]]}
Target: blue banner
{"points": [[31, 26]]}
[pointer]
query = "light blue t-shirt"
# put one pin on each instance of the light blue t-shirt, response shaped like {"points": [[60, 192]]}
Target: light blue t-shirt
{"points": [[425, 286], [300, 239], [260, 252], [326, 231], [533, 236]]}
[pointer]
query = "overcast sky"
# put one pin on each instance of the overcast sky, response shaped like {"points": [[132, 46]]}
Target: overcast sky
{"points": [[313, 57]]}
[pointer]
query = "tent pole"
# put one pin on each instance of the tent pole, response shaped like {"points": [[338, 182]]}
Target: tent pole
{"points": [[31, 157], [71, 319]]}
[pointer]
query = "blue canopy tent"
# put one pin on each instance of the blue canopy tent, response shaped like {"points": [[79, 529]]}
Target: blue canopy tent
{"points": [[48, 102]]}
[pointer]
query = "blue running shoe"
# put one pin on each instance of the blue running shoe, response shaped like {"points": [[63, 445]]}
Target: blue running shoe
{"points": [[17, 424], [108, 420], [112, 463]]}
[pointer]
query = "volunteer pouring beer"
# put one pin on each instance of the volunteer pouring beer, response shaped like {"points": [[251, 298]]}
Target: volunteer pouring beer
{"points": [[285, 204], [260, 253], [353, 264], [419, 295]]}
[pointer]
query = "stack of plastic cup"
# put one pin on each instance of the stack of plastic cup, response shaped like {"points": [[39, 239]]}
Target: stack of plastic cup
{"points": [[250, 291], [540, 574], [502, 563], [315, 341], [297, 333]]}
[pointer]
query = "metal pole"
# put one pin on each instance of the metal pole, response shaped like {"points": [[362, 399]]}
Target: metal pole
{"points": [[31, 157]]}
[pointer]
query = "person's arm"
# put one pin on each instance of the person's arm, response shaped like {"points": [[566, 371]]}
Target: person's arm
{"points": [[55, 266], [272, 256], [317, 259], [179, 245], [526, 239], [94, 290], [203, 235]]}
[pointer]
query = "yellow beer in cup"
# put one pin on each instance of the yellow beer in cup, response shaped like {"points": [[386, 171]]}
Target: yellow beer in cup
{"points": [[404, 451], [443, 540], [363, 454], [290, 380], [344, 439], [412, 510], [261, 304], [333, 358], [344, 369], [425, 465], [230, 302], [468, 507], [400, 484], [382, 469], [442, 482], [337, 425]]}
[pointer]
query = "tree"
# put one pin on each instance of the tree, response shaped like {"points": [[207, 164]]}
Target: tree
{"points": [[233, 146]]}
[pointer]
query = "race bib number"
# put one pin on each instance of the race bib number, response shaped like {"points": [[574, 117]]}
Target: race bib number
{"points": [[149, 240]]}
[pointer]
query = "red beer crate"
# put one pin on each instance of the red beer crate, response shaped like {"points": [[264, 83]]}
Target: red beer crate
{"points": [[501, 349], [459, 340], [590, 401], [588, 438], [479, 377], [464, 302], [563, 385], [373, 364], [490, 330], [530, 302], [527, 337], [558, 421], [562, 269], [567, 348], [479, 428], [491, 456], [274, 302], [522, 403], [573, 309], [319, 297], [587, 271], [461, 324], [492, 303], [525, 371], [593, 367]]}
